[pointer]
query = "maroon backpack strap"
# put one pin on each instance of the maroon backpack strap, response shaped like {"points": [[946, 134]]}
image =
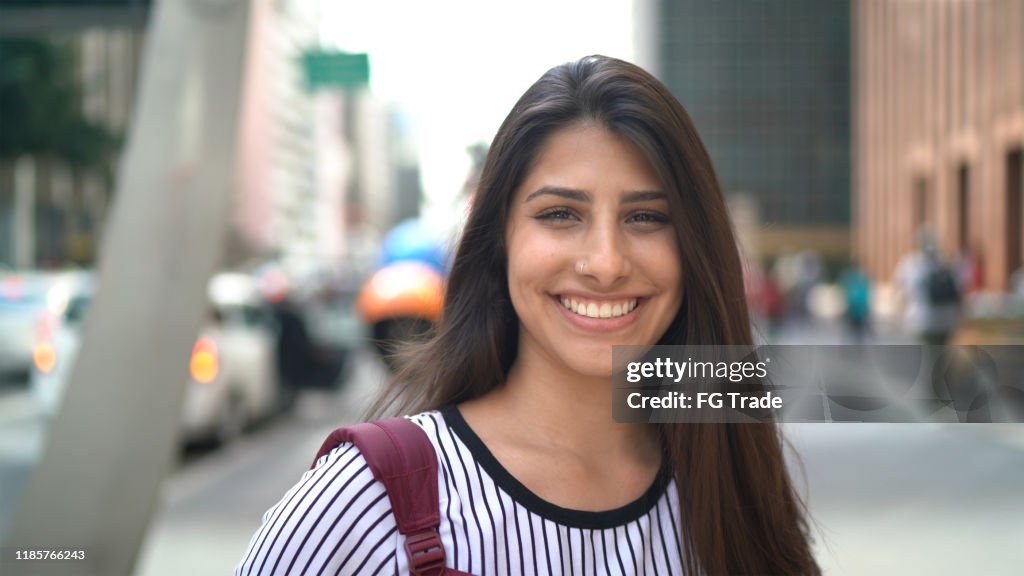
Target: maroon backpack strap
{"points": [[401, 457]]}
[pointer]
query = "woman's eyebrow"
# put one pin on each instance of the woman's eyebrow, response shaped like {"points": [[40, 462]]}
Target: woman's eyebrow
{"points": [[567, 193], [643, 196], [583, 196]]}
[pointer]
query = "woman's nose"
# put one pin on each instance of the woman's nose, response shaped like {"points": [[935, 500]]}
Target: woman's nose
{"points": [[605, 255]]}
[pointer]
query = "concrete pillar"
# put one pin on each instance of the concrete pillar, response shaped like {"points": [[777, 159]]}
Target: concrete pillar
{"points": [[113, 440]]}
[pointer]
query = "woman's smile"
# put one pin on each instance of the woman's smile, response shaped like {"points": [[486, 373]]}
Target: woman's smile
{"points": [[597, 314], [593, 308]]}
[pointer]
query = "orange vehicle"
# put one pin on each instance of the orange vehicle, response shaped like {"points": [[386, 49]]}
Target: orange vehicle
{"points": [[401, 301]]}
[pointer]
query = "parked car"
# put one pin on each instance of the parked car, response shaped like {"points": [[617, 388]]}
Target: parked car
{"points": [[56, 339], [232, 372], [27, 301]]}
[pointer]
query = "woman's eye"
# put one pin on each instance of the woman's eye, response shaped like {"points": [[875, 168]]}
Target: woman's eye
{"points": [[649, 217], [556, 214]]}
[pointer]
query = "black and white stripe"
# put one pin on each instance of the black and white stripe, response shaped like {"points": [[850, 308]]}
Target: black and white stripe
{"points": [[337, 520]]}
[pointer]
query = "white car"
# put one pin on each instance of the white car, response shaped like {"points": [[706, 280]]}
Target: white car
{"points": [[233, 373], [55, 339], [25, 302], [232, 368]]}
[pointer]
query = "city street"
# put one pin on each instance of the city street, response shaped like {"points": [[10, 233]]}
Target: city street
{"points": [[884, 498], [255, 185], [205, 205]]}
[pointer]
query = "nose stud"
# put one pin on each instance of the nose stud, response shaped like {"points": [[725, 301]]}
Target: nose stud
{"points": [[581, 267]]}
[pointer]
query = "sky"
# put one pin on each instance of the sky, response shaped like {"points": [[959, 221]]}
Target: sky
{"points": [[456, 67]]}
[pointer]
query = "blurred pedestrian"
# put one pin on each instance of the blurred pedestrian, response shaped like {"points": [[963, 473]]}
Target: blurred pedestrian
{"points": [[971, 269], [599, 221], [812, 271], [788, 272], [295, 362], [930, 292], [770, 300], [857, 294]]}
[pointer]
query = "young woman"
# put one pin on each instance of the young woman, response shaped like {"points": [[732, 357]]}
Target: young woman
{"points": [[598, 221]]}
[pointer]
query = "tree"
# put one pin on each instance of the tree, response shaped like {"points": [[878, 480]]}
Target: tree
{"points": [[40, 107]]}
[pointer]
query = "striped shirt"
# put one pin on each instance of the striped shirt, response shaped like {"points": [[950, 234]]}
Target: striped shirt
{"points": [[337, 520]]}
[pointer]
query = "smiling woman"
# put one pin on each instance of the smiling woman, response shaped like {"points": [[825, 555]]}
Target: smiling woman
{"points": [[598, 221]]}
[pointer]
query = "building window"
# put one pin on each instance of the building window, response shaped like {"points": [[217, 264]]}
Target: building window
{"points": [[920, 208], [1014, 235], [963, 194]]}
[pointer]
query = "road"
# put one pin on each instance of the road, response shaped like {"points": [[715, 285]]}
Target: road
{"points": [[22, 436]]}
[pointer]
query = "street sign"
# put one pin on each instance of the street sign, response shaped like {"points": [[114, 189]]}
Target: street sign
{"points": [[333, 69]]}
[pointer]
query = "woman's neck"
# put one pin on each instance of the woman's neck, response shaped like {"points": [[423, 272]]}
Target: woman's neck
{"points": [[553, 431], [566, 411]]}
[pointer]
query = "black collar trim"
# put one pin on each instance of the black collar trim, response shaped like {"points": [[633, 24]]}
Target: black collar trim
{"points": [[564, 516]]}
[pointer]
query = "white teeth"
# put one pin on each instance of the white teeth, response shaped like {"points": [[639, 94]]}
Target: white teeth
{"points": [[602, 310]]}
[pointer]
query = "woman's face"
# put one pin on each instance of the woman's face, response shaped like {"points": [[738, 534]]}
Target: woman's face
{"points": [[593, 258]]}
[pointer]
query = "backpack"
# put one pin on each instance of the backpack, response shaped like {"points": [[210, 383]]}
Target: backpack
{"points": [[941, 286], [402, 458]]}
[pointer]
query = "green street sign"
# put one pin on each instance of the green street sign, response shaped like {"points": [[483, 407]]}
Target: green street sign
{"points": [[335, 69]]}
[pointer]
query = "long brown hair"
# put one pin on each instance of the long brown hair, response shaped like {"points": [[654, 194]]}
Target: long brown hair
{"points": [[738, 507]]}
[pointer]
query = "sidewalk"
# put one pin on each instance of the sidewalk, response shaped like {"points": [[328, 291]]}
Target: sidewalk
{"points": [[908, 498]]}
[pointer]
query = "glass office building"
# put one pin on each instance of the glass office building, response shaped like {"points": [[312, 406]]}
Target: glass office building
{"points": [[768, 86]]}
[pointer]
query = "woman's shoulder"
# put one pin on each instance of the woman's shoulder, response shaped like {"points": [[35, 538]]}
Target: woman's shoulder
{"points": [[448, 435], [336, 519], [432, 422]]}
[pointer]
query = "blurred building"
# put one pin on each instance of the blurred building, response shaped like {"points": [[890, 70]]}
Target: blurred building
{"points": [[767, 85], [387, 180], [367, 169], [314, 169], [324, 169], [52, 213], [109, 63], [277, 200], [368, 175], [939, 129]]}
